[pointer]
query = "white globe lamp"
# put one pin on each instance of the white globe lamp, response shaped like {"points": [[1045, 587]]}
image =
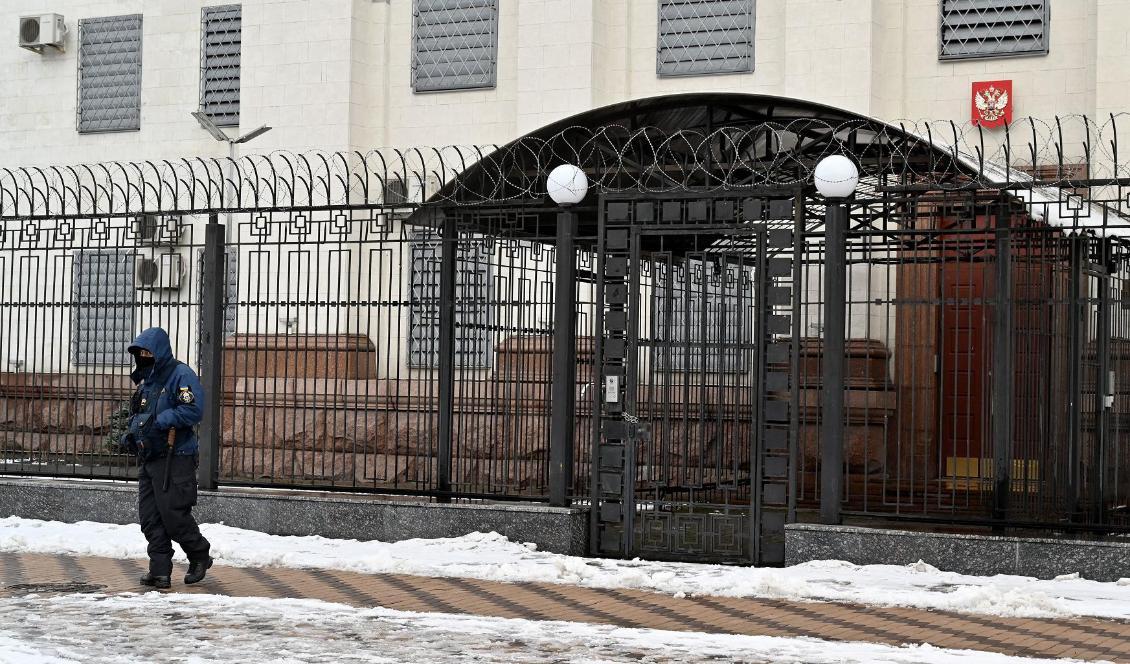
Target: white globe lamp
{"points": [[567, 185], [836, 176]]}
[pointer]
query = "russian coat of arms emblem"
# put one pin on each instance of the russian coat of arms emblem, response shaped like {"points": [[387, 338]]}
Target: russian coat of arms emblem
{"points": [[992, 103]]}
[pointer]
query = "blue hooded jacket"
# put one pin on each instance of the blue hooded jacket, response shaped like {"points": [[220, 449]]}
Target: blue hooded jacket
{"points": [[179, 399]]}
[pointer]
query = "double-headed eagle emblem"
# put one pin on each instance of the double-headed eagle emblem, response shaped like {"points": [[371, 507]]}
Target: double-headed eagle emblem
{"points": [[991, 103]]}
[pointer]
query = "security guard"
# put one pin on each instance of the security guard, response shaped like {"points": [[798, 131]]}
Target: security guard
{"points": [[167, 405]]}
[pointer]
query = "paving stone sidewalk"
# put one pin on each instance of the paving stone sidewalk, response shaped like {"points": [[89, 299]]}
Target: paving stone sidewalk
{"points": [[1082, 639]]}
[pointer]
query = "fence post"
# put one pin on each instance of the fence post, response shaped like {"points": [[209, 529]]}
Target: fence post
{"points": [[449, 250], [563, 391], [1104, 387], [211, 351], [1002, 369], [832, 408], [1075, 333]]}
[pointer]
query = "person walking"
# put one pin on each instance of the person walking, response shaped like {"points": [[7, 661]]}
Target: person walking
{"points": [[168, 403]]}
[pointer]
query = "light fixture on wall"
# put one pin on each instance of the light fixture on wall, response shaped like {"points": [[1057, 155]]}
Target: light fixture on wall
{"points": [[567, 185]]}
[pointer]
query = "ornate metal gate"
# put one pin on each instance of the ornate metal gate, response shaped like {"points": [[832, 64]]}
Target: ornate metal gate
{"points": [[693, 432]]}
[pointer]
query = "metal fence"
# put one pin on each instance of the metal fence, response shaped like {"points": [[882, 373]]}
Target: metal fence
{"points": [[370, 322], [331, 349], [984, 375]]}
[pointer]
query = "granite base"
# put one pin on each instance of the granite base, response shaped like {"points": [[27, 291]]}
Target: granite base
{"points": [[983, 555]]}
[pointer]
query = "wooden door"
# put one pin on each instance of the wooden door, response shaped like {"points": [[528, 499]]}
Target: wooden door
{"points": [[964, 359]]}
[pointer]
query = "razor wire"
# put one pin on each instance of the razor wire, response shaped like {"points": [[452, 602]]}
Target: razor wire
{"points": [[943, 155]]}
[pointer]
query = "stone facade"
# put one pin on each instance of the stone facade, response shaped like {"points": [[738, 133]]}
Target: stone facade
{"points": [[336, 74]]}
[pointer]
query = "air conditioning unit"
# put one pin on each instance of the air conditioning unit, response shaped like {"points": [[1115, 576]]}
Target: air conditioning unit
{"points": [[38, 32], [153, 230], [160, 272]]}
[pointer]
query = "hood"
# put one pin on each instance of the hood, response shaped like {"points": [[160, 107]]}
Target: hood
{"points": [[156, 341]]}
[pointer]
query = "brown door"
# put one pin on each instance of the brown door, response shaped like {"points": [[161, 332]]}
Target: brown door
{"points": [[965, 355], [964, 363]]}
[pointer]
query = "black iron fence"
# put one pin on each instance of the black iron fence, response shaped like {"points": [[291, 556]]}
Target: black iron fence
{"points": [[331, 348], [984, 377], [369, 327]]}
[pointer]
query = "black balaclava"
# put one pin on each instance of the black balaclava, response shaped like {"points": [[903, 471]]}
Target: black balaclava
{"points": [[143, 362]]}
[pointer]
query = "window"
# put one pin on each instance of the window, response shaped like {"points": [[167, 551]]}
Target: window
{"points": [[109, 73], [472, 292], [220, 43], [454, 44], [705, 37], [102, 324], [992, 28], [703, 316], [231, 288]]}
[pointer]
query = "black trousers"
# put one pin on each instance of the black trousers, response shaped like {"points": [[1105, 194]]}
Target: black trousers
{"points": [[166, 516]]}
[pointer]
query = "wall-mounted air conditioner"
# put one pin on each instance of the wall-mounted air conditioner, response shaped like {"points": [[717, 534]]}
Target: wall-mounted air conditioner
{"points": [[152, 230], [40, 31], [158, 272]]}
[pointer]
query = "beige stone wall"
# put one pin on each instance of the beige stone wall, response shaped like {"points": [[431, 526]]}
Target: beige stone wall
{"points": [[336, 74]]}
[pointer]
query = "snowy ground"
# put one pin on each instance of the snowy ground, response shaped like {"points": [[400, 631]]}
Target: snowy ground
{"points": [[493, 557], [208, 628]]}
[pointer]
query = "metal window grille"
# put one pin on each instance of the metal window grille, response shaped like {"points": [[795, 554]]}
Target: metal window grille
{"points": [[705, 37], [220, 47], [102, 319], [703, 317], [472, 295], [454, 44], [109, 73], [992, 28]]}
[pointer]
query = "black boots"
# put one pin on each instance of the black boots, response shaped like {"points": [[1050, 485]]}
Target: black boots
{"points": [[161, 582], [196, 571]]}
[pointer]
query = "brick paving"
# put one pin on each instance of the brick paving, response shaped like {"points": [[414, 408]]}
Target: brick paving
{"points": [[1082, 639]]}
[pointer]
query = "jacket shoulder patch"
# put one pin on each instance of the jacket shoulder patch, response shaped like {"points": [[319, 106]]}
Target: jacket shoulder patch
{"points": [[185, 395]]}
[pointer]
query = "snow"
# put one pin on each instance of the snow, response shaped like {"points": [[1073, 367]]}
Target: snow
{"points": [[133, 628], [492, 557]]}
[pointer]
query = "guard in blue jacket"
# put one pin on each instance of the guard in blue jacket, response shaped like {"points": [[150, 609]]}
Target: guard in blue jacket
{"points": [[168, 403]]}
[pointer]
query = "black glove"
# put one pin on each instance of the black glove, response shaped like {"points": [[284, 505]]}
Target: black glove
{"points": [[128, 443]]}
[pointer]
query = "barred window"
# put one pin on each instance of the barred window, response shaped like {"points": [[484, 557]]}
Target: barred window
{"points": [[705, 37], [454, 44], [109, 73], [472, 294], [992, 28], [220, 46], [231, 288], [102, 316]]}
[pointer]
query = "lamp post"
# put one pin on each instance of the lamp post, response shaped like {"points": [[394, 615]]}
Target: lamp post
{"points": [[836, 178], [220, 135], [212, 314], [566, 185]]}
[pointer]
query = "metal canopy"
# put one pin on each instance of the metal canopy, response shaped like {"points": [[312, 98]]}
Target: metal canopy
{"points": [[714, 144]]}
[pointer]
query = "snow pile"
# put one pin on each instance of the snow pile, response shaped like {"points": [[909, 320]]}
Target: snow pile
{"points": [[211, 628], [492, 557]]}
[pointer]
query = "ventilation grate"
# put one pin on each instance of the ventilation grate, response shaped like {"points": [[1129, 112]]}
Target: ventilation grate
{"points": [[705, 37], [454, 44], [992, 28], [221, 34], [109, 72]]}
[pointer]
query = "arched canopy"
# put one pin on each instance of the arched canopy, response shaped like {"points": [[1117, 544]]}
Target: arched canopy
{"points": [[703, 141]]}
